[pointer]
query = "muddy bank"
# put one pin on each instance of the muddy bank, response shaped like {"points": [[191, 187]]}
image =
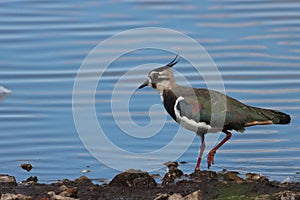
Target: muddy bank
{"points": [[135, 184]]}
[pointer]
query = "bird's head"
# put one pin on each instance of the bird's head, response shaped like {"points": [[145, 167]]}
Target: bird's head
{"points": [[161, 78]]}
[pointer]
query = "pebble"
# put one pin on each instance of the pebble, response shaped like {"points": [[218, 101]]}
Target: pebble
{"points": [[133, 178], [6, 179], [9, 196], [251, 177], [85, 171], [197, 195], [26, 166], [83, 179], [54, 196], [286, 180], [286, 195], [204, 175], [172, 174], [175, 197], [232, 176]]}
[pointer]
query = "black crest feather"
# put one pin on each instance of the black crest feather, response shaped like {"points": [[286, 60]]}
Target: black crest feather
{"points": [[174, 61]]}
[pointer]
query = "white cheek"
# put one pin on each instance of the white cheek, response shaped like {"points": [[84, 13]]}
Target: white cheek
{"points": [[149, 81], [165, 83]]}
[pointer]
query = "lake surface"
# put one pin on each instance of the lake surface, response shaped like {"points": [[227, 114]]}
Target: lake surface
{"points": [[254, 44]]}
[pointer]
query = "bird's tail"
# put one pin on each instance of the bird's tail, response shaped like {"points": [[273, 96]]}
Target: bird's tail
{"points": [[275, 116], [280, 117]]}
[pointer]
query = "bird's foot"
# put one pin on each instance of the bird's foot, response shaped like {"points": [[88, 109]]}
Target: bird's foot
{"points": [[211, 158]]}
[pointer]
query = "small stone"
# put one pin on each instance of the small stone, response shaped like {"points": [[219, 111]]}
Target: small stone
{"points": [[26, 166], [204, 175], [32, 179], [6, 179], [232, 176], [134, 171], [72, 192], [197, 195], [264, 197], [175, 197], [9, 196], [85, 171], [53, 196], [161, 196], [83, 179], [171, 164], [64, 194], [156, 176], [172, 174], [63, 188], [133, 178], [286, 195], [286, 180], [169, 178], [251, 177]]}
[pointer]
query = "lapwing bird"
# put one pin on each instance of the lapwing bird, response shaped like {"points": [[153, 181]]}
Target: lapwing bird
{"points": [[192, 108]]}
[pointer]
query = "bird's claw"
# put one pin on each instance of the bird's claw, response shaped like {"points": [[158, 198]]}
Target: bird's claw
{"points": [[210, 158]]}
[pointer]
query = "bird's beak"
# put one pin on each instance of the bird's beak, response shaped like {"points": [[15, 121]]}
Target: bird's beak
{"points": [[144, 84]]}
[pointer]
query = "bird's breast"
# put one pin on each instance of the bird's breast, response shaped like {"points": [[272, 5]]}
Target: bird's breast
{"points": [[186, 118]]}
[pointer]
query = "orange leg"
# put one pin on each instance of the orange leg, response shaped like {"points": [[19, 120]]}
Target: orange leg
{"points": [[202, 148], [211, 154]]}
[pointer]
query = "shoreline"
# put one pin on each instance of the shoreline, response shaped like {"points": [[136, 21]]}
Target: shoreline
{"points": [[136, 184]]}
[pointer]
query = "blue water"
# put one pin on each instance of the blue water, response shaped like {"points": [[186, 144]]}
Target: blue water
{"points": [[255, 45]]}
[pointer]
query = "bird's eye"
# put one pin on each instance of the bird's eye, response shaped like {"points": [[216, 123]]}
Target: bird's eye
{"points": [[155, 76]]}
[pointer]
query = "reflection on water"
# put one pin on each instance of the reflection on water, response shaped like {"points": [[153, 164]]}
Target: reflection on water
{"points": [[253, 43]]}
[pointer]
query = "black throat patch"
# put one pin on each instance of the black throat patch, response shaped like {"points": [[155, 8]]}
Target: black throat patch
{"points": [[169, 99], [153, 85]]}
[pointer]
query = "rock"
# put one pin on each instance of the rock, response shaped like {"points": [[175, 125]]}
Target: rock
{"points": [[264, 197], [286, 195], [161, 196], [9, 196], [84, 171], [286, 180], [83, 180], [204, 175], [232, 176], [175, 197], [32, 179], [156, 176], [68, 192], [6, 179], [53, 196], [63, 188], [133, 178], [26, 166], [172, 167], [72, 192], [197, 195], [171, 164], [172, 174], [251, 177], [169, 178]]}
